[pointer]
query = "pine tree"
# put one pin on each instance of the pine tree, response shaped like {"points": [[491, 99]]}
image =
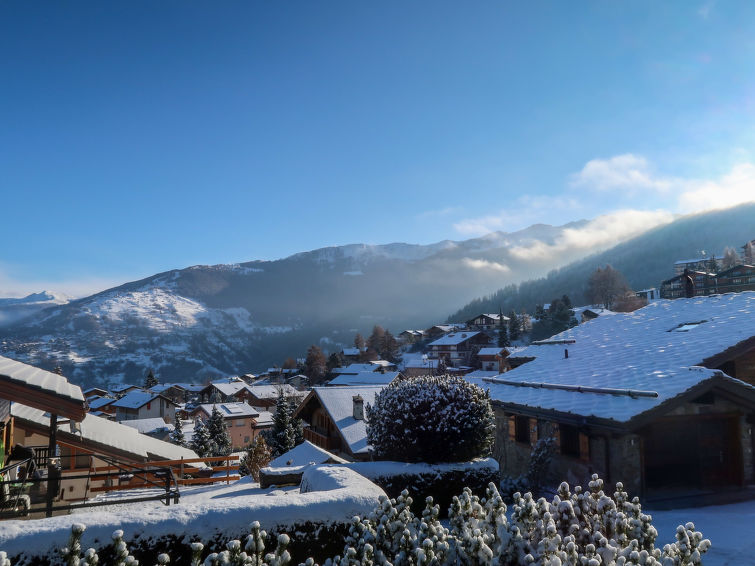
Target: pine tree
{"points": [[177, 434], [334, 361], [219, 438], [376, 341], [150, 381], [503, 337], [200, 440], [287, 432], [257, 456], [515, 329]]}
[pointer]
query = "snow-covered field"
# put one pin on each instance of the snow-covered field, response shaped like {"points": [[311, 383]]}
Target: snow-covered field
{"points": [[730, 528]]}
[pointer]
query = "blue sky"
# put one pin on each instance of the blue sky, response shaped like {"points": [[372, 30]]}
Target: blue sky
{"points": [[138, 137]]}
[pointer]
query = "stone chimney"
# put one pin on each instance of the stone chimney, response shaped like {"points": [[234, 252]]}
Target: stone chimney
{"points": [[358, 407]]}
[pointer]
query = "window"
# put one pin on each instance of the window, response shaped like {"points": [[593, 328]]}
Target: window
{"points": [[246, 440], [239, 422], [522, 427], [569, 440]]}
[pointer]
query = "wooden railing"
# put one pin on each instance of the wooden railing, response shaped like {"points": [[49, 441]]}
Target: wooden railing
{"points": [[185, 472], [318, 439]]}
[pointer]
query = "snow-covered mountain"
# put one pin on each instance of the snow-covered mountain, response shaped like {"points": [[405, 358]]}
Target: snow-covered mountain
{"points": [[207, 321], [13, 310]]}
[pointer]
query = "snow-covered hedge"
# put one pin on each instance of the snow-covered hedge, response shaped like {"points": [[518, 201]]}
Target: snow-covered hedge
{"points": [[439, 481], [574, 529], [431, 419], [319, 516]]}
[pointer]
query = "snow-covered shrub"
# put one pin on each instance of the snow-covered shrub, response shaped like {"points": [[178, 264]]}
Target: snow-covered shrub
{"points": [[573, 529], [431, 419], [537, 470]]}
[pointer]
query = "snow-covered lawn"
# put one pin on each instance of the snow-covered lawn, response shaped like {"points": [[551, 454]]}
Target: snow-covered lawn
{"points": [[730, 528]]}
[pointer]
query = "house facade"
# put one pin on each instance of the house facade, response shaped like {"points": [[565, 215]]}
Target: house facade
{"points": [[736, 279], [335, 418], [243, 422], [487, 321], [457, 348], [144, 405], [644, 398], [703, 284]]}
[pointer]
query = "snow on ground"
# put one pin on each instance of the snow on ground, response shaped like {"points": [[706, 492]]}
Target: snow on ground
{"points": [[327, 495], [728, 527]]}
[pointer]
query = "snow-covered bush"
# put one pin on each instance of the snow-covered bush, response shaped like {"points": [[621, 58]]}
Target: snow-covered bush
{"points": [[575, 528], [431, 419]]}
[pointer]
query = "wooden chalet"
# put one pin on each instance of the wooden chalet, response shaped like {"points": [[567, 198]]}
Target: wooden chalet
{"points": [[736, 279]]}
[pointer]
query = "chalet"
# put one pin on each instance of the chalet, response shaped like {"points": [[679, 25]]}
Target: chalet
{"points": [[660, 398], [336, 419], [365, 378], [178, 392], [143, 405], [414, 366], [487, 321], [352, 354], [702, 284], [121, 389], [224, 390], [457, 348], [650, 295], [101, 405], [92, 443], [439, 330], [266, 396], [492, 359], [354, 369], [736, 279], [244, 422], [411, 336], [94, 392]]}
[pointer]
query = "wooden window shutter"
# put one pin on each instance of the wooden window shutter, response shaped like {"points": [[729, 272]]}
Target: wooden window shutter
{"points": [[584, 447], [533, 431], [512, 428]]}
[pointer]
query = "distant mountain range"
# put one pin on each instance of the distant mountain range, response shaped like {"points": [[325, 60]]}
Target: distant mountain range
{"points": [[645, 261], [14, 310], [207, 321]]}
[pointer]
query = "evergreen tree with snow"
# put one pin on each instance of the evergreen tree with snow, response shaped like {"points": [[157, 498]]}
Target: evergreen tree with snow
{"points": [[220, 440], [177, 434], [503, 336], [287, 431], [200, 441], [150, 381], [515, 328]]}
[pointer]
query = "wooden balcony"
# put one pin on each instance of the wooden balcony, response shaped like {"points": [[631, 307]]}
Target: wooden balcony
{"points": [[321, 440]]}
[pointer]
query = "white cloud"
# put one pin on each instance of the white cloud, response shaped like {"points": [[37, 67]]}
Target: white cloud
{"points": [[483, 264], [522, 212], [627, 172], [601, 233], [736, 187]]}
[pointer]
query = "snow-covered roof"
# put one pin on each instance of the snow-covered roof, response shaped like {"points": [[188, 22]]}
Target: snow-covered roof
{"points": [[116, 436], [264, 418], [271, 391], [355, 368], [145, 426], [365, 378], [229, 388], [453, 339], [494, 316], [351, 351], [489, 351], [338, 402], [96, 403], [163, 387], [229, 410], [303, 454], [483, 373], [382, 363], [136, 399], [649, 350], [31, 384], [123, 387]]}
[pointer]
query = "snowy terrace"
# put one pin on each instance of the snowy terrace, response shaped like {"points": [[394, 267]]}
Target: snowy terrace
{"points": [[327, 496]]}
